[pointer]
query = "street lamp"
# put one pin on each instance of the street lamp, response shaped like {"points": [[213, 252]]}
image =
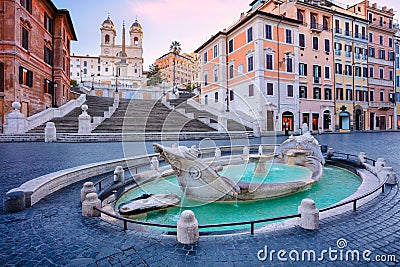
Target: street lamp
{"points": [[55, 85], [116, 83], [227, 99], [81, 76]]}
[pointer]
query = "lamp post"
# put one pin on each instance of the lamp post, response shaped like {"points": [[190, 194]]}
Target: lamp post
{"points": [[81, 76], [55, 85], [116, 83], [92, 82], [227, 99]]}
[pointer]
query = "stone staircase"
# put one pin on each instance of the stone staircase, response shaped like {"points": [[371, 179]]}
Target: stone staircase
{"points": [[69, 123], [181, 103], [139, 116]]}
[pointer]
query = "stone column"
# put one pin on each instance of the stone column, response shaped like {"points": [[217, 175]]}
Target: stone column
{"points": [[187, 228], [119, 175], [87, 188], [16, 121], [309, 215], [91, 201], [84, 121], [155, 164], [50, 132]]}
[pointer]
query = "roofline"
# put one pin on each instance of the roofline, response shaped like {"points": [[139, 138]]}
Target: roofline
{"points": [[70, 23], [246, 19], [172, 52], [84, 56]]}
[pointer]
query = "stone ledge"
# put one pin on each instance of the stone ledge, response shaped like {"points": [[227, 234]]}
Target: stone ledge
{"points": [[36, 189]]}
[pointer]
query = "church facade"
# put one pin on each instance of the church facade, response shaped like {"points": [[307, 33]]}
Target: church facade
{"points": [[117, 64]]}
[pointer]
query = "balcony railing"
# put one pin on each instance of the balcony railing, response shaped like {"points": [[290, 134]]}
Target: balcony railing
{"points": [[338, 52], [360, 36], [319, 27], [338, 30], [347, 33], [348, 54], [381, 105]]}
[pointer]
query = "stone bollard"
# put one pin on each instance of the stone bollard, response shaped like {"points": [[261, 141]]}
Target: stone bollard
{"points": [[246, 151], [84, 121], [14, 202], [217, 153], [88, 205], [260, 150], [390, 173], [119, 175], [50, 132], [16, 121], [155, 164], [222, 124], [361, 157], [187, 228], [87, 188], [379, 164], [256, 129], [330, 153], [309, 215]]}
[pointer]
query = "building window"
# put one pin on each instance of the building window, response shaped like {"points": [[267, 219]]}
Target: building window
{"points": [[205, 79], [391, 56], [27, 4], [381, 73], [250, 65], [288, 36], [348, 70], [231, 95], [270, 89], [328, 94], [317, 93], [325, 23], [300, 16], [302, 69], [240, 69], [372, 52], [370, 17], [25, 76], [215, 51], [327, 72], [381, 96], [48, 23], [231, 71], [313, 21], [327, 46], [303, 92], [371, 72], [216, 75], [365, 72], [250, 34], [85, 63], [46, 86], [106, 69], [315, 43], [107, 39], [347, 28], [85, 71], [337, 27], [230, 46], [339, 93], [289, 65], [216, 97], [25, 38], [302, 40], [251, 89], [290, 90], [206, 99], [380, 39], [48, 56], [371, 38], [390, 42], [268, 32], [98, 68], [349, 95], [391, 75], [205, 57], [338, 68], [269, 62]]}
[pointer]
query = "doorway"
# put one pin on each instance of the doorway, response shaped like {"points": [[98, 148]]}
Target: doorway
{"points": [[344, 121], [287, 120], [327, 120]]}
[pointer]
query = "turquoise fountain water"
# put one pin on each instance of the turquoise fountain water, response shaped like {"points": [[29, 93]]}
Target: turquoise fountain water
{"points": [[335, 185]]}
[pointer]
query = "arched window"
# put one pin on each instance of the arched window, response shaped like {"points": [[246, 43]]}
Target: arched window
{"points": [[107, 39], [135, 41], [300, 16]]}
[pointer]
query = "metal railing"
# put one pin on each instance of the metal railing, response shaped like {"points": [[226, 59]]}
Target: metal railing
{"points": [[252, 223]]}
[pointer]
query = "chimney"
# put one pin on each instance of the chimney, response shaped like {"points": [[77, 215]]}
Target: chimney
{"points": [[374, 5], [391, 11], [384, 8]]}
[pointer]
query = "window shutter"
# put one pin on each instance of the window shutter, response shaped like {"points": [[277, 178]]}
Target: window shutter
{"points": [[21, 75], [30, 78]]}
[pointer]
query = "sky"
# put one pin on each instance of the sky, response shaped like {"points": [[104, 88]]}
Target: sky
{"points": [[191, 22]]}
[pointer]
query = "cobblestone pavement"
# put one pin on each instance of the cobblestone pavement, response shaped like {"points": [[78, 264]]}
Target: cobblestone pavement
{"points": [[53, 232]]}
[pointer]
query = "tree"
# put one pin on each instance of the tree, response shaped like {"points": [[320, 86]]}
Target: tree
{"points": [[74, 83], [154, 75], [175, 48]]}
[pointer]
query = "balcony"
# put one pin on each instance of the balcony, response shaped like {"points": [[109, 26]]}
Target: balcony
{"points": [[381, 105], [347, 33], [360, 36], [315, 27]]}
